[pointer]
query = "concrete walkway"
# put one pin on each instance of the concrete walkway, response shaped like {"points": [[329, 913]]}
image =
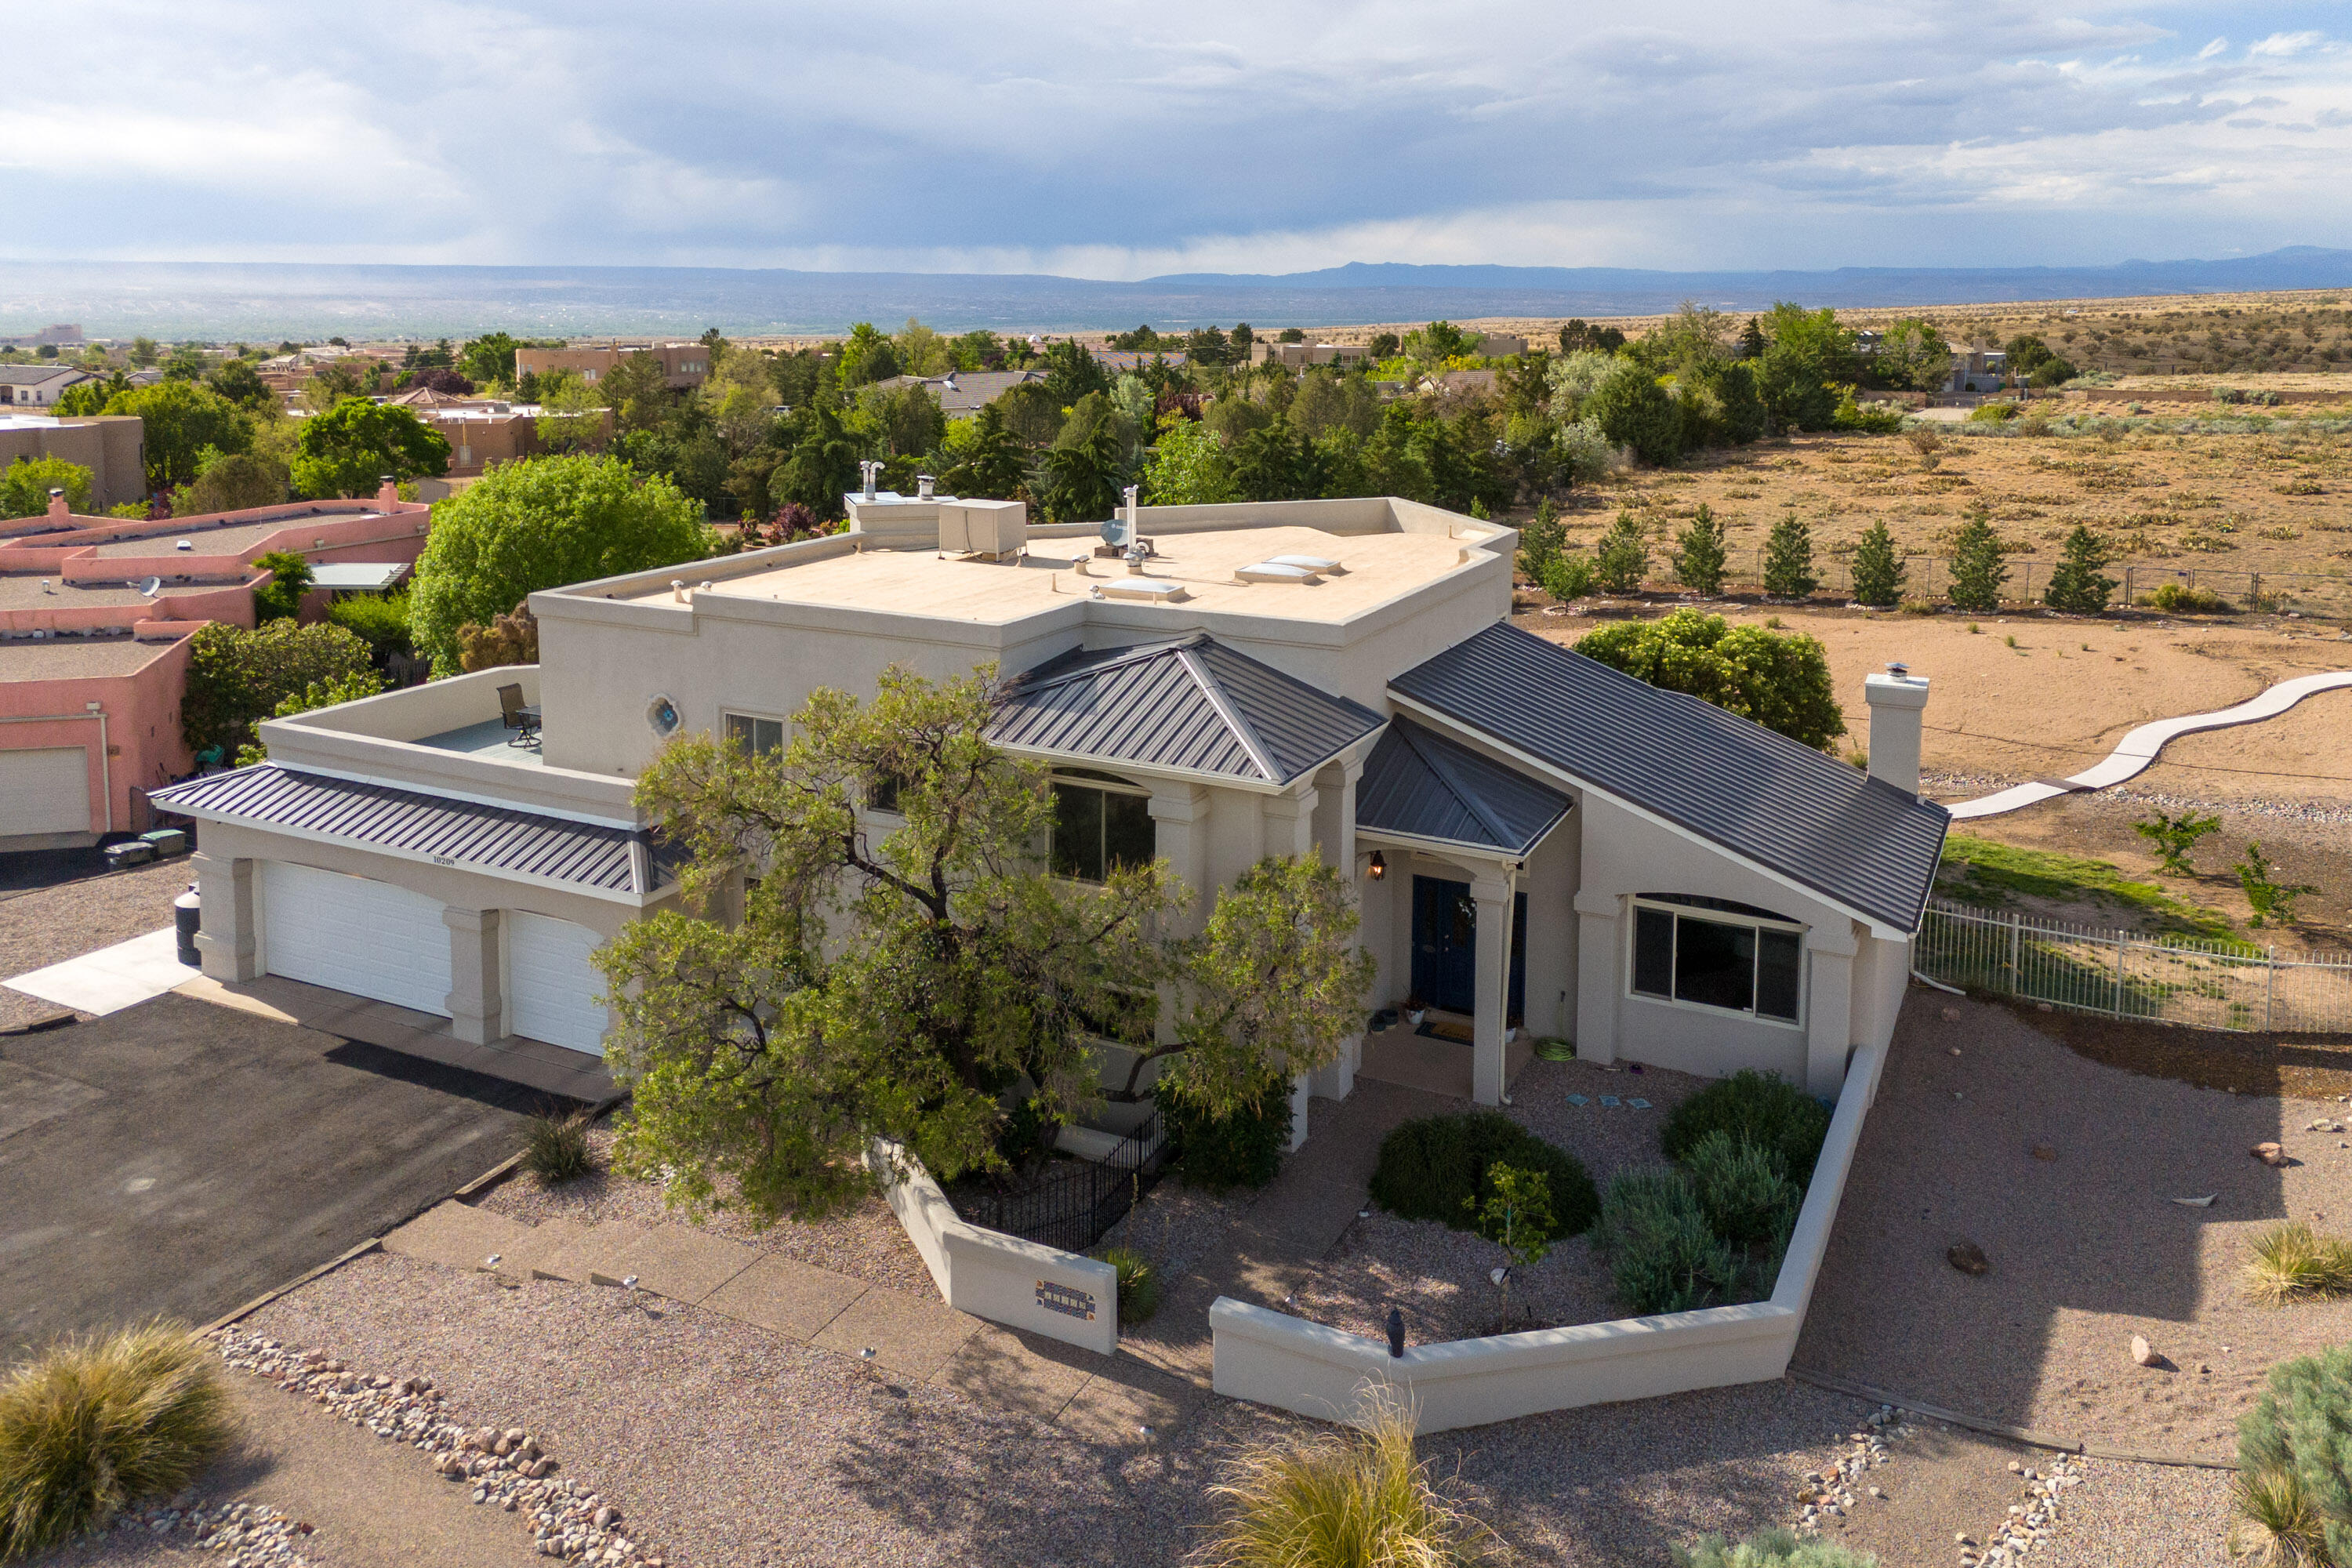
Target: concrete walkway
{"points": [[912, 1338], [1296, 1222], [2139, 749], [111, 978]]}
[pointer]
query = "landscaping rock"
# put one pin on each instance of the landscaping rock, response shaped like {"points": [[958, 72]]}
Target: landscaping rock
{"points": [[1968, 1258], [2143, 1353], [2269, 1154], [2044, 1152]]}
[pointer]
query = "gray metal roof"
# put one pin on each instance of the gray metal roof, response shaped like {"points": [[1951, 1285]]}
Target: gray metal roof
{"points": [[1785, 806], [491, 837], [1194, 704], [1421, 784]]}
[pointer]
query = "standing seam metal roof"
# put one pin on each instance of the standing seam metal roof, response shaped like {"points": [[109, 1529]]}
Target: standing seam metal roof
{"points": [[588, 855], [1194, 704], [1419, 784], [1763, 796]]}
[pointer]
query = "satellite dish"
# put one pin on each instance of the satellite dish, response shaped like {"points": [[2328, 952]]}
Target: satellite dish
{"points": [[149, 588]]}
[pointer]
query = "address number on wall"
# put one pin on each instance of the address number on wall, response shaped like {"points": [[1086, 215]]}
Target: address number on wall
{"points": [[1067, 1300]]}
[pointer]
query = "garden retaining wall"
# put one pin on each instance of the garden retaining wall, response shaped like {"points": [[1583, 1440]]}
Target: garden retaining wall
{"points": [[1001, 1278], [1276, 1359]]}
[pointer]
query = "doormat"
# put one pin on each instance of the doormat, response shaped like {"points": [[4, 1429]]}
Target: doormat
{"points": [[1459, 1034]]}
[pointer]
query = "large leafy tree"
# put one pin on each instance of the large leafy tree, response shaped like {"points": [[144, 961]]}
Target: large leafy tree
{"points": [[238, 678], [1187, 466], [887, 984], [181, 419], [991, 463], [1083, 479], [1632, 410], [540, 523], [26, 484], [347, 450], [1912, 354], [1780, 679], [823, 467]]}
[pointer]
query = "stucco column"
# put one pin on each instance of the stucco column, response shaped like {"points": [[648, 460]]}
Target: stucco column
{"points": [[1180, 836], [1829, 1006], [225, 944], [1491, 894], [476, 1006], [1598, 943], [1336, 836], [1289, 822]]}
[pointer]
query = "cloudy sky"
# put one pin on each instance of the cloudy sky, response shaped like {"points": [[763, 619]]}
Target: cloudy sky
{"points": [[1110, 138]]}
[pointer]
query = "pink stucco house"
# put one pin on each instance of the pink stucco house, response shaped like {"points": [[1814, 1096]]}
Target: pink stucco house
{"points": [[92, 667]]}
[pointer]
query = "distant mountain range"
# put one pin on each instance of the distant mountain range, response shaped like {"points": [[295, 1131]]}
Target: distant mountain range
{"points": [[253, 301]]}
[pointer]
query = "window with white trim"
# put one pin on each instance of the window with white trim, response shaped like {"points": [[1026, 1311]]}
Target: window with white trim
{"points": [[1715, 954], [1101, 822], [760, 737]]}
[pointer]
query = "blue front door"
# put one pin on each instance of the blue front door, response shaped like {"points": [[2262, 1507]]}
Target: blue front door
{"points": [[1445, 947]]}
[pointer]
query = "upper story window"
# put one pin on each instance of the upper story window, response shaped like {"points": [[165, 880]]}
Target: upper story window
{"points": [[884, 794], [1712, 953], [1100, 822], [760, 737]]}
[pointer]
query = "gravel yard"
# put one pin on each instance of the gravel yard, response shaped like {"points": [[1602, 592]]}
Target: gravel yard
{"points": [[866, 1243], [724, 1445], [2087, 1246], [2143, 1516], [49, 925], [1439, 1276]]}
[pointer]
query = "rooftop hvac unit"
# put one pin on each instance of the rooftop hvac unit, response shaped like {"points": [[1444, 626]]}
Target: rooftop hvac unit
{"points": [[997, 528]]}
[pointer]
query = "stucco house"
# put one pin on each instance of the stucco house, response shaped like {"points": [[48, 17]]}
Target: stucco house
{"points": [[1541, 845]]}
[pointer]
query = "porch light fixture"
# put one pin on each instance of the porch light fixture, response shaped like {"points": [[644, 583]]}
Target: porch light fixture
{"points": [[1377, 869]]}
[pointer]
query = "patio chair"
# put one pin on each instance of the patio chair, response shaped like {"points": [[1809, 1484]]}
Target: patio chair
{"points": [[510, 711]]}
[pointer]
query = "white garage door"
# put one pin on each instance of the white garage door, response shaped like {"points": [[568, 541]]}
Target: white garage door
{"points": [[354, 934], [45, 791], [551, 987]]}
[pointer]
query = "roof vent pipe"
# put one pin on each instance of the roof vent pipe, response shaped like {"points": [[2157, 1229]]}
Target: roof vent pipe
{"points": [[1895, 700], [923, 487], [868, 468]]}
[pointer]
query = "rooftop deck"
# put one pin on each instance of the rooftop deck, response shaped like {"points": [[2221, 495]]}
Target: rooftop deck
{"points": [[490, 741], [1376, 567]]}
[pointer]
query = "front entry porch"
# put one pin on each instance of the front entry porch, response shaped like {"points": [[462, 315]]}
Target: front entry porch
{"points": [[1435, 1063]]}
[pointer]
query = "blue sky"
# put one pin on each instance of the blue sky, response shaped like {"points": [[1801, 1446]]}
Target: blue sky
{"points": [[1111, 139]]}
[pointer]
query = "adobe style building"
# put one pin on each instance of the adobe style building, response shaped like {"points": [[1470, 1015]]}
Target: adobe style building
{"points": [[1541, 845], [683, 364], [92, 664], [113, 446]]}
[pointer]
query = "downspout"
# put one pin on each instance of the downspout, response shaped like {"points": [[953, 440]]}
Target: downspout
{"points": [[105, 771]]}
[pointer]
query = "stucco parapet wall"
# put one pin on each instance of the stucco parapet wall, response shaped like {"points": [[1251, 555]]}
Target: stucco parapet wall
{"points": [[1272, 1358], [997, 1277], [376, 739]]}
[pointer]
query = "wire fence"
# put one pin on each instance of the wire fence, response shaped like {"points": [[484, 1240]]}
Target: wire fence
{"points": [[2202, 982], [1077, 1200]]}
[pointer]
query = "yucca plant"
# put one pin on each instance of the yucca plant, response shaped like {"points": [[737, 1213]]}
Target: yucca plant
{"points": [[556, 1148], [1139, 1286], [92, 1425], [2292, 1262], [1357, 1499], [2278, 1525]]}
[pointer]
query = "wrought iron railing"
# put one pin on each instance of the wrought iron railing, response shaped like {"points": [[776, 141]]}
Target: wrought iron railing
{"points": [[1076, 1200]]}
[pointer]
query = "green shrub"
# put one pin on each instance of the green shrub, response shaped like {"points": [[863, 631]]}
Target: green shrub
{"points": [[1139, 1286], [1438, 1168], [94, 1426], [1771, 1548], [281, 596], [1761, 1108], [1663, 1258], [1992, 414], [380, 620], [1568, 577], [556, 1148], [1244, 1149], [2174, 598], [2293, 1491], [1746, 1197]]}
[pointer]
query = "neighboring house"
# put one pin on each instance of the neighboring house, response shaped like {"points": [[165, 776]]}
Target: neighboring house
{"points": [[113, 446], [1977, 370], [1460, 381], [483, 431], [964, 393], [1119, 361], [38, 385], [1537, 841], [92, 666], [683, 364], [1500, 346], [1299, 356]]}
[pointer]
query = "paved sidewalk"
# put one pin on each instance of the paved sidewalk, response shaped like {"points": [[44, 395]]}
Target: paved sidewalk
{"points": [[1296, 1222], [111, 978], [902, 1335]]}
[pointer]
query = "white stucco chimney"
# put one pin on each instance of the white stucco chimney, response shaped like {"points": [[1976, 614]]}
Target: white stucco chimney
{"points": [[1895, 702]]}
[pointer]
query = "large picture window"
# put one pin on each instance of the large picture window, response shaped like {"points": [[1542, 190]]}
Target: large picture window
{"points": [[1712, 953], [1100, 823]]}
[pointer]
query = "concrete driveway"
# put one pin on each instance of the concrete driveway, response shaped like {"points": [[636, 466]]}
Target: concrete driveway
{"points": [[181, 1158]]}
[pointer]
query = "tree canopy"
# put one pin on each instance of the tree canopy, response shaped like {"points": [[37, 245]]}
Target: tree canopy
{"points": [[181, 419], [238, 678], [26, 484], [542, 524], [347, 450], [1780, 679]]}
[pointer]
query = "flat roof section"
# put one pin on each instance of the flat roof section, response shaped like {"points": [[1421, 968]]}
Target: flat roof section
{"points": [[234, 540], [20, 591], [1378, 567], [75, 658]]}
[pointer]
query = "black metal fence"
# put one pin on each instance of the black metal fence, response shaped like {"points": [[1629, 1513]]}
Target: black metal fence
{"points": [[1077, 1200]]}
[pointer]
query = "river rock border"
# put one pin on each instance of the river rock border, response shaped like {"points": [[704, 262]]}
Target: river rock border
{"points": [[1828, 1493], [506, 1465], [252, 1534]]}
